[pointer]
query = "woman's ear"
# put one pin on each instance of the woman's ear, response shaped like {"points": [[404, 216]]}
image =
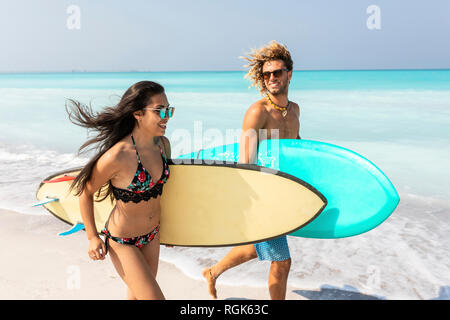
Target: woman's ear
{"points": [[138, 115]]}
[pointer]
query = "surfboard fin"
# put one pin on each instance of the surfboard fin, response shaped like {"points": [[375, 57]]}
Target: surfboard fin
{"points": [[75, 228], [45, 201]]}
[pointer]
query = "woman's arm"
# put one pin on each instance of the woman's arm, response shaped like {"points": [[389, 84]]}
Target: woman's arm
{"points": [[104, 170]]}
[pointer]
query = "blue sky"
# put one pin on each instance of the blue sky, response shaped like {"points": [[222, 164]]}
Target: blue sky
{"points": [[185, 35]]}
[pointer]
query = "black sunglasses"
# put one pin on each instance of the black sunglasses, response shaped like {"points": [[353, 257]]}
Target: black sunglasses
{"points": [[276, 73]]}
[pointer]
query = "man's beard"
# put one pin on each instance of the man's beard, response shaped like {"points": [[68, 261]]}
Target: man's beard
{"points": [[280, 91]]}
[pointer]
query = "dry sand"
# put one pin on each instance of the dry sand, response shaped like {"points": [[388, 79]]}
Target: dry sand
{"points": [[36, 263]]}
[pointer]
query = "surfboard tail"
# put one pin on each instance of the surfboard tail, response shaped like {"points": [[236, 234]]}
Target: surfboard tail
{"points": [[61, 179]]}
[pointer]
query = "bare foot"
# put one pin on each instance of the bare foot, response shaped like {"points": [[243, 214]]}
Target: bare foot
{"points": [[211, 282]]}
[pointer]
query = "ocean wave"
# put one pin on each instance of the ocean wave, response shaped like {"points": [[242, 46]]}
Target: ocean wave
{"points": [[23, 167], [406, 257]]}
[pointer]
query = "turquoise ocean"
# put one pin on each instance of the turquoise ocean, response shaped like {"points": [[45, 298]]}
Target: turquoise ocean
{"points": [[398, 119]]}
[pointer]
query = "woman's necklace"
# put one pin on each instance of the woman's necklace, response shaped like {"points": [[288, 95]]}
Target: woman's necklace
{"points": [[279, 108]]}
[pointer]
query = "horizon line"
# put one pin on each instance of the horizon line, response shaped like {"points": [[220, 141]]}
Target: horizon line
{"points": [[169, 71]]}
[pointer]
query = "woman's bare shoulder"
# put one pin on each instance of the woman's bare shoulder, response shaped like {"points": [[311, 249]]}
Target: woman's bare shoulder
{"points": [[117, 156]]}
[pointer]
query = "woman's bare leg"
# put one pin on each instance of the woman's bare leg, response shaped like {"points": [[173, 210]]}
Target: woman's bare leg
{"points": [[130, 294], [151, 254], [134, 269]]}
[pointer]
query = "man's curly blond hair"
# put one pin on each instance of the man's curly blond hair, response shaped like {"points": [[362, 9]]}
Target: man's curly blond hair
{"points": [[257, 58]]}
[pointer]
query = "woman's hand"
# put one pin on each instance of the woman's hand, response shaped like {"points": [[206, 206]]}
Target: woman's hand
{"points": [[97, 249]]}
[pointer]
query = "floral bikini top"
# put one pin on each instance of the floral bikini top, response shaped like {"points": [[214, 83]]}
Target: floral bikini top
{"points": [[142, 187]]}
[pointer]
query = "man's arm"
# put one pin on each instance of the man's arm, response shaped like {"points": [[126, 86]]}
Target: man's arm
{"points": [[166, 147], [298, 112], [254, 119]]}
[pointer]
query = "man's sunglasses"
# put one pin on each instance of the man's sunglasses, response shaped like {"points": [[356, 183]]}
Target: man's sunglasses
{"points": [[163, 111], [276, 73]]}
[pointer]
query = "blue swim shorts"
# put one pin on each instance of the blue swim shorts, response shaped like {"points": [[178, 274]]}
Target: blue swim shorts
{"points": [[273, 250]]}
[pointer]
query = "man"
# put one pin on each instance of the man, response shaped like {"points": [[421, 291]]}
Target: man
{"points": [[271, 71]]}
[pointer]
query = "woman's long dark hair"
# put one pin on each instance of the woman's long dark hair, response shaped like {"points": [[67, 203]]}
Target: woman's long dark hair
{"points": [[112, 124]]}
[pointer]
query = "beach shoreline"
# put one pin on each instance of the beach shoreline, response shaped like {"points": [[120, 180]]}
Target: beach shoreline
{"points": [[37, 264]]}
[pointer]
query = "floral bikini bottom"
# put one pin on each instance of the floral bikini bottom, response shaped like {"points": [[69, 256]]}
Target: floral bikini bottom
{"points": [[138, 241]]}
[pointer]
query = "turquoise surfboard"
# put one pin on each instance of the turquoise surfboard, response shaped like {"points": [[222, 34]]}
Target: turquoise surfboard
{"points": [[360, 196]]}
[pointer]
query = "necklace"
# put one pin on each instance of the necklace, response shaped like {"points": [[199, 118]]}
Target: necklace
{"points": [[279, 108]]}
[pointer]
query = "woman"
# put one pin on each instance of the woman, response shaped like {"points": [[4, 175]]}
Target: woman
{"points": [[131, 166]]}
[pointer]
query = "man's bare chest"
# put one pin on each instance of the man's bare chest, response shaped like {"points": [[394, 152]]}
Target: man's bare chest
{"points": [[285, 127]]}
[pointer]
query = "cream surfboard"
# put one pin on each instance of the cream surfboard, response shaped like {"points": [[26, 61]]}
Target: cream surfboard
{"points": [[208, 205]]}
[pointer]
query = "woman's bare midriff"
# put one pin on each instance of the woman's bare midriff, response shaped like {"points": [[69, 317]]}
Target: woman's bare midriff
{"points": [[134, 219]]}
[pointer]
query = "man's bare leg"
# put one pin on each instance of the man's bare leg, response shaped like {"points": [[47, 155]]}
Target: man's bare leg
{"points": [[235, 257], [278, 275]]}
